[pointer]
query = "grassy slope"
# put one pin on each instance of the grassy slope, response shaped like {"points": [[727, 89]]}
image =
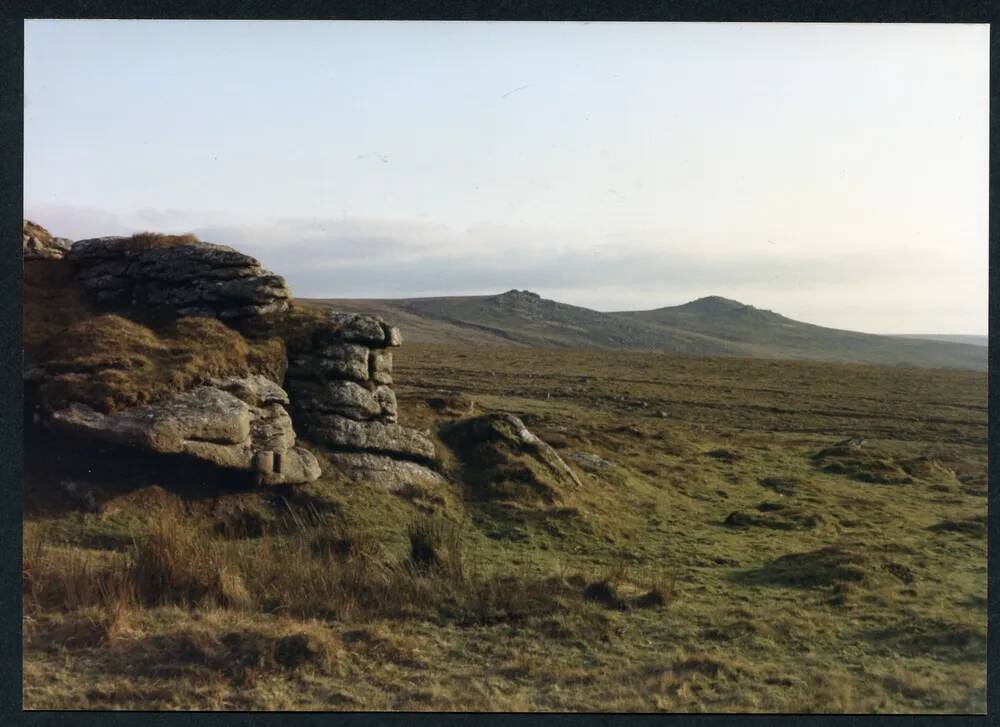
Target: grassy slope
{"points": [[764, 333], [837, 594], [952, 338], [517, 321], [709, 330]]}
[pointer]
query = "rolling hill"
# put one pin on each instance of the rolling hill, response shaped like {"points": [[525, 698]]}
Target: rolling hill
{"points": [[711, 326]]}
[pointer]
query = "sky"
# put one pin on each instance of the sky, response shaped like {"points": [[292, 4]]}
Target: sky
{"points": [[837, 174]]}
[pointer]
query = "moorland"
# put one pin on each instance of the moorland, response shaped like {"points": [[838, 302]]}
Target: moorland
{"points": [[744, 535]]}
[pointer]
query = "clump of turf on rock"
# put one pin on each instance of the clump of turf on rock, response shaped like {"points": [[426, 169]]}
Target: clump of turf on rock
{"points": [[111, 363], [502, 460], [296, 326], [452, 404]]}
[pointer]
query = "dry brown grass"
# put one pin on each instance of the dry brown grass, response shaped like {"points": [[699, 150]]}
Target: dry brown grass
{"points": [[36, 230], [110, 362], [153, 240], [52, 302], [436, 545], [295, 326], [93, 584], [305, 574], [175, 563]]}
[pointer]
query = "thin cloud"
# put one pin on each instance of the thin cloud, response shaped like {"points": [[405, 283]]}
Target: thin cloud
{"points": [[357, 258]]}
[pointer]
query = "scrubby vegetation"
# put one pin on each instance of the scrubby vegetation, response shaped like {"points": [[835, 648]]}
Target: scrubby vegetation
{"points": [[712, 558]]}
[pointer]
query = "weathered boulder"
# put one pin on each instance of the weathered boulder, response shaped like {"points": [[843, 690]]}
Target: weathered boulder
{"points": [[39, 244], [334, 361], [233, 423], [347, 398], [502, 459], [589, 461], [369, 330], [185, 275], [339, 380]]}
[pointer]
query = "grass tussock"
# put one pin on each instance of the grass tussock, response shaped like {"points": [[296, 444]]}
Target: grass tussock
{"points": [[829, 566], [436, 545], [973, 526], [110, 362], [618, 589], [877, 464], [775, 516], [175, 564], [240, 656]]}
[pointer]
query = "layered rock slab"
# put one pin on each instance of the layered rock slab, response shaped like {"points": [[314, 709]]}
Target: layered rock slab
{"points": [[189, 277], [340, 384], [234, 423]]}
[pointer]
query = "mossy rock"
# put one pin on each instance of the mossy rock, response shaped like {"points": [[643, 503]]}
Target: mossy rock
{"points": [[502, 460]]}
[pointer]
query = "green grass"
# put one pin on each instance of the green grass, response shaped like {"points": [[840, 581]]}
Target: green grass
{"points": [[840, 589]]}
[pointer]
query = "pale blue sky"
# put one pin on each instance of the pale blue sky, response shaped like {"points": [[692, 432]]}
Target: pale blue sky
{"points": [[837, 174]]}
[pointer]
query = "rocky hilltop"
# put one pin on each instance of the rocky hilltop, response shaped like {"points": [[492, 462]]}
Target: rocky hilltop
{"points": [[711, 326], [188, 351]]}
